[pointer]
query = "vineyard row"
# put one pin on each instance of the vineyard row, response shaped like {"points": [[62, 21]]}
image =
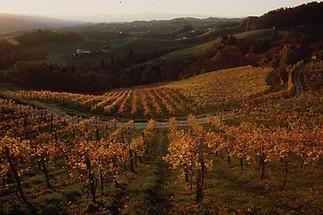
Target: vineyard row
{"points": [[140, 102], [32, 140]]}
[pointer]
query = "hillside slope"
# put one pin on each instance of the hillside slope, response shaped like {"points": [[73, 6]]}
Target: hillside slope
{"points": [[10, 23], [207, 93], [224, 87]]}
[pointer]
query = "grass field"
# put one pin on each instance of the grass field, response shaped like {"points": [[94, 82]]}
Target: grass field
{"points": [[256, 34], [61, 52], [12, 41], [190, 53]]}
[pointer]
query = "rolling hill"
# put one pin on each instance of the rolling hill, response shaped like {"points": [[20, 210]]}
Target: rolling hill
{"points": [[10, 23], [202, 93]]}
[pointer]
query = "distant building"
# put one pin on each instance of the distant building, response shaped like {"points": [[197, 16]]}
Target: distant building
{"points": [[81, 52], [314, 57]]}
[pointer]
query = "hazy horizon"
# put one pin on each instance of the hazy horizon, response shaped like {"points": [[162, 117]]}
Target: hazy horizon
{"points": [[130, 10]]}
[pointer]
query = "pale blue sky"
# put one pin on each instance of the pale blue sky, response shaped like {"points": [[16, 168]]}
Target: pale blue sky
{"points": [[98, 9]]}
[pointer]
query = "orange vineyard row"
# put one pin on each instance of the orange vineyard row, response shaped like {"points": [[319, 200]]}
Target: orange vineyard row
{"points": [[152, 101]]}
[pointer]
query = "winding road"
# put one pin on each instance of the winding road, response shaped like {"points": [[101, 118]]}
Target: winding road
{"points": [[298, 81]]}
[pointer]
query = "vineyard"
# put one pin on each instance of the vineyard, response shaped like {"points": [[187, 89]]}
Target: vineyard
{"points": [[223, 166], [82, 165], [204, 93], [138, 103], [90, 153], [314, 75], [191, 151], [262, 155], [123, 112], [225, 88]]}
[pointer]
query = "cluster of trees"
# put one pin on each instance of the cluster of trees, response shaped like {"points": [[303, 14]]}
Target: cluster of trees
{"points": [[10, 53], [276, 51], [35, 37], [306, 14], [61, 78], [74, 78]]}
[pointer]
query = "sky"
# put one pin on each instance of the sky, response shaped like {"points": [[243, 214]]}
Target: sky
{"points": [[125, 10]]}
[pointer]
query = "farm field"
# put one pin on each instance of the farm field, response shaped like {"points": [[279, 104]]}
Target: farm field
{"points": [[263, 33], [117, 44], [190, 53], [64, 53]]}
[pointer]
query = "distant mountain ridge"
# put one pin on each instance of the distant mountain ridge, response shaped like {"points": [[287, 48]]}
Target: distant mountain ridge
{"points": [[157, 26], [10, 23]]}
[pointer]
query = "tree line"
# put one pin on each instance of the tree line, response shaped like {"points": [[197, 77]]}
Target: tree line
{"points": [[306, 14]]}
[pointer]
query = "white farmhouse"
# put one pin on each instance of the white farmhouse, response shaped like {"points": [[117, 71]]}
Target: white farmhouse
{"points": [[80, 52]]}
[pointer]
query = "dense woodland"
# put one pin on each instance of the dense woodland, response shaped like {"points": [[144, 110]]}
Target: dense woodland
{"points": [[40, 35], [306, 14]]}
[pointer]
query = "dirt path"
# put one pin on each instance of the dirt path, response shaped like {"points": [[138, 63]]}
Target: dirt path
{"points": [[144, 189], [181, 123], [298, 82], [162, 198]]}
